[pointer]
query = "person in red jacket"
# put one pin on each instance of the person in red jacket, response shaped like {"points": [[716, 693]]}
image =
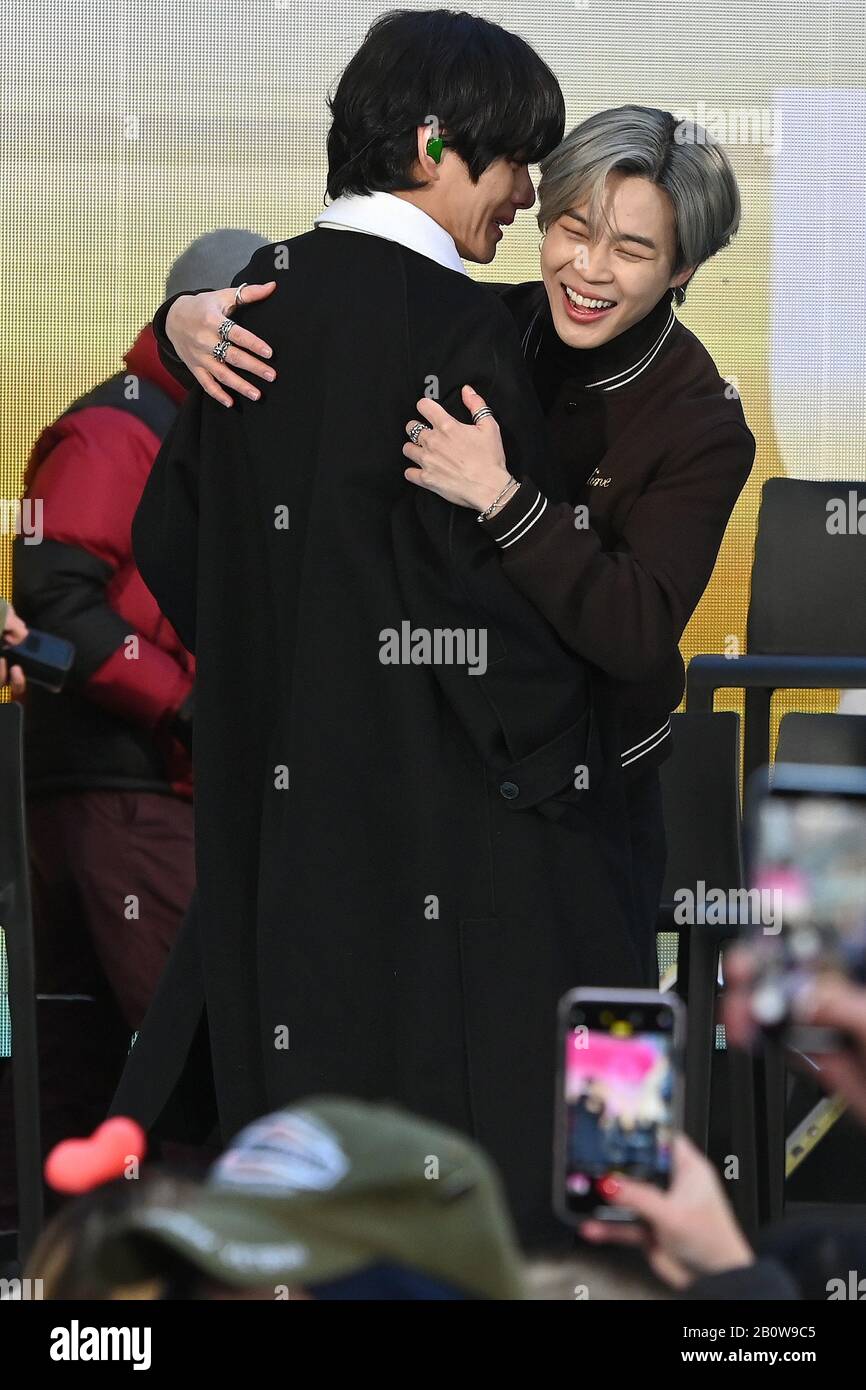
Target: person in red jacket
{"points": [[108, 760]]}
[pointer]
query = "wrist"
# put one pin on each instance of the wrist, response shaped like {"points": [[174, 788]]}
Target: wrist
{"points": [[734, 1253], [170, 311], [496, 495]]}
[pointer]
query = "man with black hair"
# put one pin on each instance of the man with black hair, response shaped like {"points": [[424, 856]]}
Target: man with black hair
{"points": [[398, 874]]}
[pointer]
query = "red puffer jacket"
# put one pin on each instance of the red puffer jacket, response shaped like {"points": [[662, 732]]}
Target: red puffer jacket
{"points": [[124, 718]]}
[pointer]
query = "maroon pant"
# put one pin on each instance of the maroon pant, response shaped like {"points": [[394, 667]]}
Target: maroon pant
{"points": [[112, 876]]}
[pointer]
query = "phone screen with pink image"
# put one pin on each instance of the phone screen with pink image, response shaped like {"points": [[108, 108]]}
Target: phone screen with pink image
{"points": [[619, 1082]]}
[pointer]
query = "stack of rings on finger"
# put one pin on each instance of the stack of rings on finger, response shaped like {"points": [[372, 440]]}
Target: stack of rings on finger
{"points": [[221, 348], [480, 414], [415, 430]]}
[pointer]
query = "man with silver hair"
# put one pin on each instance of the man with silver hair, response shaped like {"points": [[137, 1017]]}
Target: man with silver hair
{"points": [[652, 439]]}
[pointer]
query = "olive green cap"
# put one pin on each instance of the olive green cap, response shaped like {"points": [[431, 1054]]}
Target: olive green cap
{"points": [[327, 1189]]}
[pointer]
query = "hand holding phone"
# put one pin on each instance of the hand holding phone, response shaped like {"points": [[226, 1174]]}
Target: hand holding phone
{"points": [[686, 1231], [14, 629], [46, 660], [619, 1097]]}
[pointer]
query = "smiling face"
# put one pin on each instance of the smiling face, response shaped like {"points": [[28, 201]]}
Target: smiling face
{"points": [[475, 213], [598, 286]]}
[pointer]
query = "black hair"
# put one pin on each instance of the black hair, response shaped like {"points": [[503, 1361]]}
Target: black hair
{"points": [[490, 93]]}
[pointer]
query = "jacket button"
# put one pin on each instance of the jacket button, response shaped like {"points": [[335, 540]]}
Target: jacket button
{"points": [[509, 790]]}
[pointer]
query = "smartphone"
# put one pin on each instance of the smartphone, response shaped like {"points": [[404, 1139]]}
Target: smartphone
{"points": [[46, 660], [619, 1097], [806, 852]]}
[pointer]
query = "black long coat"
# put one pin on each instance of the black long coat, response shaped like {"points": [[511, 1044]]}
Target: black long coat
{"points": [[397, 877]]}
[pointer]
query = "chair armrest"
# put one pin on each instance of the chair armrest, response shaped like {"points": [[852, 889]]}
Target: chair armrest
{"points": [[707, 674]]}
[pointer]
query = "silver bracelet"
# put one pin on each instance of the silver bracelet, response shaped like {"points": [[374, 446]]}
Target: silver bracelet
{"points": [[512, 482]]}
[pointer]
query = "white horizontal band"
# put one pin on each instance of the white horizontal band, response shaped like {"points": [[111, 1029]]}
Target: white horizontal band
{"points": [[629, 374], [529, 519], [651, 741]]}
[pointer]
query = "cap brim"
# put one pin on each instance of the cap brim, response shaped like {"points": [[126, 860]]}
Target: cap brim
{"points": [[246, 1242], [238, 1241]]}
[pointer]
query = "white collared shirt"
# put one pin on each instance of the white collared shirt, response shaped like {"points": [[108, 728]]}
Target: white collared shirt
{"points": [[393, 219]]}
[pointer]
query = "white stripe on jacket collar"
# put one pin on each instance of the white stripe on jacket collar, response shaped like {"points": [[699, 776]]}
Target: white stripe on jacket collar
{"points": [[393, 219], [533, 335]]}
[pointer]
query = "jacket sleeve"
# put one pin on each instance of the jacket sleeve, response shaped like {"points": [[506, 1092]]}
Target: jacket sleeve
{"points": [[625, 609], [165, 529], [528, 712], [61, 584], [765, 1279], [165, 526]]}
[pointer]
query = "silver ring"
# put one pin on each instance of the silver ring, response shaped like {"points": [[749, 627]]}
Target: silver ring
{"points": [[238, 299], [480, 414], [220, 350], [225, 328], [415, 432]]}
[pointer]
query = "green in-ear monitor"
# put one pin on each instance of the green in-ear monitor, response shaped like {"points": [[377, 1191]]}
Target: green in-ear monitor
{"points": [[434, 148]]}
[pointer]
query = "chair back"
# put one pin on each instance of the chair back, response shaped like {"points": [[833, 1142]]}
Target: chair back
{"points": [[701, 796], [808, 597], [828, 739]]}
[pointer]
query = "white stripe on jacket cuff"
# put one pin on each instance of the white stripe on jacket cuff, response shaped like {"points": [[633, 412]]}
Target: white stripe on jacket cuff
{"points": [[646, 745], [526, 522]]}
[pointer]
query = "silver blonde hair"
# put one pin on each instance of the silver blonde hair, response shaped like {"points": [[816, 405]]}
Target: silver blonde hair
{"points": [[678, 156]]}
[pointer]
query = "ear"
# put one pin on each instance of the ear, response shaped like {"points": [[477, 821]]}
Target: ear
{"points": [[429, 168], [683, 277]]}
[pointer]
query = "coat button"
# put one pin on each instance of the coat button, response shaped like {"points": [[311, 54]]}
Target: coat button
{"points": [[509, 790]]}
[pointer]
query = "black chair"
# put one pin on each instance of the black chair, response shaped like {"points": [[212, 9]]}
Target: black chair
{"points": [[830, 740], [16, 921], [701, 793], [807, 610]]}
